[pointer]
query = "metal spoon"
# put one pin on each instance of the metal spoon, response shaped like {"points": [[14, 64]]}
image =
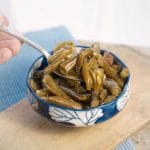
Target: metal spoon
{"points": [[22, 38]]}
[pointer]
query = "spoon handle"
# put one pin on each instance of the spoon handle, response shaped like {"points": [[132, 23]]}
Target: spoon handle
{"points": [[19, 36]]}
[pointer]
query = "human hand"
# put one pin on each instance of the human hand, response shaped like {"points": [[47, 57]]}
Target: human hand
{"points": [[9, 46]]}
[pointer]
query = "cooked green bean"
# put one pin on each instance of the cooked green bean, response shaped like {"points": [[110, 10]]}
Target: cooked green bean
{"points": [[34, 85], [124, 73], [112, 86], [86, 75], [94, 101], [93, 63], [69, 103], [97, 75], [79, 88], [81, 57], [53, 87], [109, 98], [111, 73], [103, 95], [67, 65], [61, 53], [116, 67], [99, 59], [42, 93], [75, 95], [55, 64], [67, 44], [96, 47]]}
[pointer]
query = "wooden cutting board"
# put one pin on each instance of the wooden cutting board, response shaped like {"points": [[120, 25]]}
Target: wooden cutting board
{"points": [[22, 129]]}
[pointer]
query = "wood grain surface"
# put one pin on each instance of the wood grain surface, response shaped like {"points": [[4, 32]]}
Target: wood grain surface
{"points": [[22, 129]]}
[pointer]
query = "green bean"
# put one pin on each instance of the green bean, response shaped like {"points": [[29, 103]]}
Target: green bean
{"points": [[74, 95], [97, 75], [111, 73], [93, 63], [67, 65], [103, 95], [42, 93], [34, 85], [109, 98], [55, 64], [94, 101], [81, 57], [87, 76], [116, 67], [112, 86], [79, 88], [99, 59], [124, 73], [66, 44], [53, 87], [58, 100], [96, 47]]}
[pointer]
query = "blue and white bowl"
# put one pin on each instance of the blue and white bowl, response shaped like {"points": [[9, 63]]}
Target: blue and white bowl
{"points": [[74, 117]]}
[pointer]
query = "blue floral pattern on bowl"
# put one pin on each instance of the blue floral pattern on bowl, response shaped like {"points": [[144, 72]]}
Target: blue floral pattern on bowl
{"points": [[74, 117], [32, 100], [123, 100], [77, 118]]}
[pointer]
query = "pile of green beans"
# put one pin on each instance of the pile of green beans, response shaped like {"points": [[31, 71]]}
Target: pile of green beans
{"points": [[101, 78]]}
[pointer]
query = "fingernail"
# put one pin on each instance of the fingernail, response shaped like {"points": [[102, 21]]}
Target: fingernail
{"points": [[1, 19]]}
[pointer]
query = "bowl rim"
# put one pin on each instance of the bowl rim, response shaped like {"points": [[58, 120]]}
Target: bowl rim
{"points": [[87, 109]]}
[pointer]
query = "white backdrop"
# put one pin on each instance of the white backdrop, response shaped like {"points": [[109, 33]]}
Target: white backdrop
{"points": [[114, 21]]}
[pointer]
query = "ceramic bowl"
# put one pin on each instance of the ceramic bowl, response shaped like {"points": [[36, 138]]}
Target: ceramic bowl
{"points": [[74, 117]]}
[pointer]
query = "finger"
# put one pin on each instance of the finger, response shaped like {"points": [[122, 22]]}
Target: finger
{"points": [[4, 36], [5, 55], [4, 20], [13, 44], [15, 47]]}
